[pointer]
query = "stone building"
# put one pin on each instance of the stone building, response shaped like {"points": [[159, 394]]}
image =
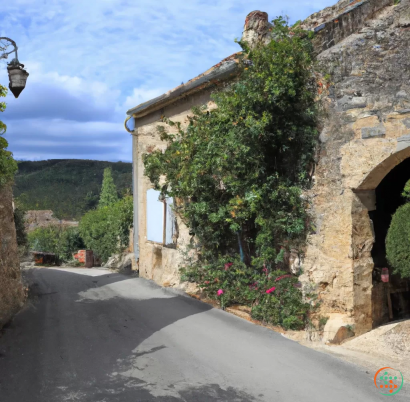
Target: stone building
{"points": [[362, 163], [43, 218]]}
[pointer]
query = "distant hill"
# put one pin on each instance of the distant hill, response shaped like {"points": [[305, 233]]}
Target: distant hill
{"points": [[69, 187]]}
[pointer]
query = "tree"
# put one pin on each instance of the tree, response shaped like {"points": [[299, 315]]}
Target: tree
{"points": [[106, 229], [109, 193], [19, 220], [61, 241], [240, 169], [238, 173], [8, 166]]}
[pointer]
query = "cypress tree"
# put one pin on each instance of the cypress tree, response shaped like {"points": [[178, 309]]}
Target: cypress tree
{"points": [[109, 193]]}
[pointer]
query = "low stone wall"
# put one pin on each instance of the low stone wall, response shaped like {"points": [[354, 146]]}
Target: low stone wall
{"points": [[12, 293]]}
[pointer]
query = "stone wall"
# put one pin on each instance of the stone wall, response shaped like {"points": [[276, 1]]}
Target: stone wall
{"points": [[333, 24], [12, 293], [366, 133], [156, 261]]}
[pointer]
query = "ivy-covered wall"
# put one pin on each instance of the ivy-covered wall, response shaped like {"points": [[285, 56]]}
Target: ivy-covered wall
{"points": [[366, 133], [156, 261]]}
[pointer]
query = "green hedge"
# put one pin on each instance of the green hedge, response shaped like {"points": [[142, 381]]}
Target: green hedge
{"points": [[106, 229], [56, 239], [398, 242]]}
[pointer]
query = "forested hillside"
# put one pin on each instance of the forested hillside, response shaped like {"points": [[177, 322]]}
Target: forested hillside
{"points": [[69, 187]]}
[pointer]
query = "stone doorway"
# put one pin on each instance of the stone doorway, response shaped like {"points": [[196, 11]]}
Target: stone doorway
{"points": [[372, 212], [388, 199]]}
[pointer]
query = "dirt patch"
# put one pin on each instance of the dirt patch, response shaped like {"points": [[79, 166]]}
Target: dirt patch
{"points": [[388, 345]]}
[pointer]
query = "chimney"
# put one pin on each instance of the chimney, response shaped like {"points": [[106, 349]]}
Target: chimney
{"points": [[257, 28]]}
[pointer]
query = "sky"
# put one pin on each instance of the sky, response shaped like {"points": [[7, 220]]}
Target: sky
{"points": [[91, 60]]}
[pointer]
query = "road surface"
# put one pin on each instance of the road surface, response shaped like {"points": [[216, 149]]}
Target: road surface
{"points": [[97, 336]]}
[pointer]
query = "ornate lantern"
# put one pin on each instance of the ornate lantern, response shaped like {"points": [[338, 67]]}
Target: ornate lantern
{"points": [[385, 275], [17, 78], [17, 74]]}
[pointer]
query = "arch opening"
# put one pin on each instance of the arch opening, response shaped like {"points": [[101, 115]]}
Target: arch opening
{"points": [[389, 301]]}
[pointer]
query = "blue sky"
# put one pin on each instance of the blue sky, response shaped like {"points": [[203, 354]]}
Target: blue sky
{"points": [[92, 60]]}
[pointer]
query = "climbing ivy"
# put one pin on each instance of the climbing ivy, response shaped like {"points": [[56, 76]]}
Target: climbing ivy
{"points": [[238, 171], [8, 166]]}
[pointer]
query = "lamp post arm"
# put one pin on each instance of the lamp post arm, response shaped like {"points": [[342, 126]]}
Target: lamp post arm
{"points": [[4, 55]]}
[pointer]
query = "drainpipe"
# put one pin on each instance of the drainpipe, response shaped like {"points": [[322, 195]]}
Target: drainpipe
{"points": [[134, 134]]}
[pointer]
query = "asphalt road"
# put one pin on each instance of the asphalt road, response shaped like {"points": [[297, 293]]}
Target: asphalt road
{"points": [[95, 336]]}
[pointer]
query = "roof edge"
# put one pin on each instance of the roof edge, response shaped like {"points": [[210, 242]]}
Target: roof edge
{"points": [[225, 69]]}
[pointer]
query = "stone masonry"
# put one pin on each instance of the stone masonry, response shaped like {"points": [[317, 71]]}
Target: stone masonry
{"points": [[363, 51], [365, 135]]}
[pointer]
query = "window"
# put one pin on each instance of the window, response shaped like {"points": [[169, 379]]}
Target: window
{"points": [[160, 219]]}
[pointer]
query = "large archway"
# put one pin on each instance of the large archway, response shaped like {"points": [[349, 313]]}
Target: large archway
{"points": [[377, 198]]}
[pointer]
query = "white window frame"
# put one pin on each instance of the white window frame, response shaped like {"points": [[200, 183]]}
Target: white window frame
{"points": [[168, 220]]}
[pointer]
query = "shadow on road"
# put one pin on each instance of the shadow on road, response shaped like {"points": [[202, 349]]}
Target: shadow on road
{"points": [[62, 347]]}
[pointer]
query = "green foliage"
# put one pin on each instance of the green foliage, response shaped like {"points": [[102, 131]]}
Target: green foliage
{"points": [[242, 284], [19, 221], [237, 172], [398, 241], [322, 322], [406, 191], [71, 241], [68, 187], [108, 190], [106, 229], [8, 165], [62, 241]]}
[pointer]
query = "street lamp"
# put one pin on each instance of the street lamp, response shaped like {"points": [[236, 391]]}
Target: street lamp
{"points": [[17, 74]]}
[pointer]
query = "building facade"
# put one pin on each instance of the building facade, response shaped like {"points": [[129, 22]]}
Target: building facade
{"points": [[361, 164]]}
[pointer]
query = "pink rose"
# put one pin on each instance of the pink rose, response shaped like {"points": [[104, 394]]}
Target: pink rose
{"points": [[282, 277], [228, 265], [220, 292], [271, 290]]}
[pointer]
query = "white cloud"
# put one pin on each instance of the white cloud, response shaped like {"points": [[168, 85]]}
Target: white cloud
{"points": [[107, 56], [140, 95]]}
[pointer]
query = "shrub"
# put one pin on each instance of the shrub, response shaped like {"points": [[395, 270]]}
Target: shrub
{"points": [[19, 221], [55, 239], [398, 241], [8, 166], [274, 296], [239, 172], [106, 229], [70, 242]]}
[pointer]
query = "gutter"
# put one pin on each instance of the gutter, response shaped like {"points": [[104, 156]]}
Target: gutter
{"points": [[135, 198]]}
